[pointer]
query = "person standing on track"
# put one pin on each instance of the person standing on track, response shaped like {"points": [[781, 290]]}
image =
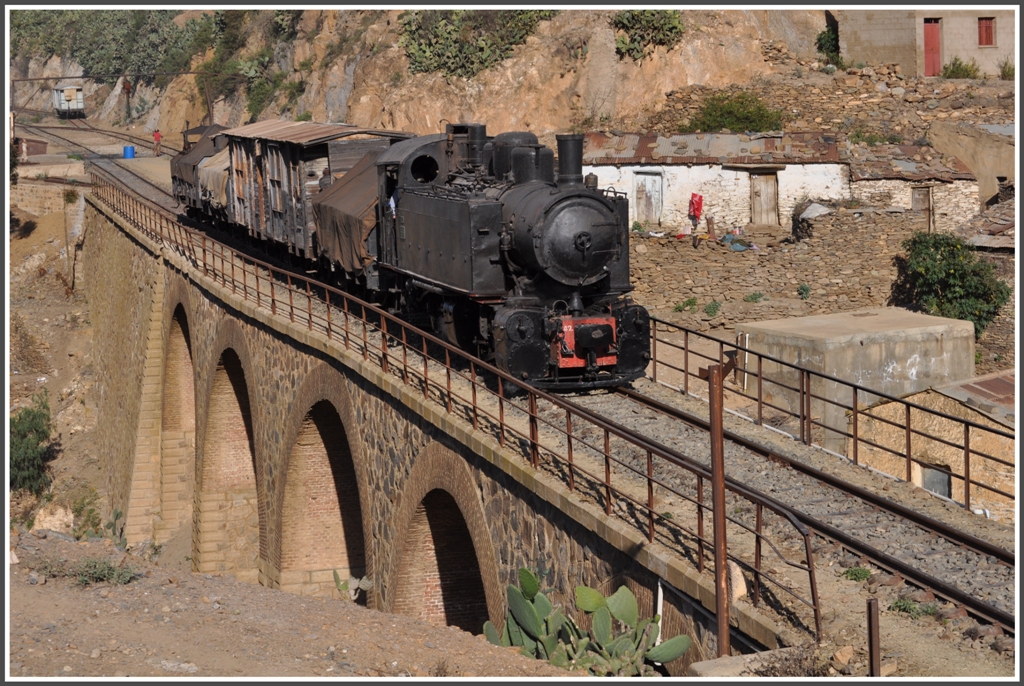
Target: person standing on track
{"points": [[156, 146]]}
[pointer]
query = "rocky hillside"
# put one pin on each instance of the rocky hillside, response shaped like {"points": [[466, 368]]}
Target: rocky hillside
{"points": [[348, 66]]}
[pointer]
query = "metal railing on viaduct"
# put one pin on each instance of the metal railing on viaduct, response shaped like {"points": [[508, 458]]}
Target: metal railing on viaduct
{"points": [[599, 461]]}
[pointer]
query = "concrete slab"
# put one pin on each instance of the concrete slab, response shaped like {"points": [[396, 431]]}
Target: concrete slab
{"points": [[886, 349]]}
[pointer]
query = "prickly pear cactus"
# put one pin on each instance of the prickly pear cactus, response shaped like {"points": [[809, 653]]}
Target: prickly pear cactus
{"points": [[543, 631]]}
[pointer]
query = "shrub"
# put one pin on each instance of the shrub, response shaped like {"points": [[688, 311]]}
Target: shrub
{"points": [[712, 308], [30, 442], [740, 112], [305, 116], [95, 570], [464, 42], [872, 139], [1006, 69], [827, 43], [857, 574], [755, 297], [958, 69], [804, 291], [941, 275], [645, 29], [688, 304]]}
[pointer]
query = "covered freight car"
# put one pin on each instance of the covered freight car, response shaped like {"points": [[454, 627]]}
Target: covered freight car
{"points": [[68, 101], [275, 171]]}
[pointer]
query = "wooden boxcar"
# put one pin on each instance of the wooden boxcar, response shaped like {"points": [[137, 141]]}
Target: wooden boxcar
{"points": [[275, 171]]}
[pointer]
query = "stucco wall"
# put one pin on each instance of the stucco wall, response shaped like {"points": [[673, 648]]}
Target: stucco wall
{"points": [[726, 192], [798, 182], [987, 155], [877, 36]]}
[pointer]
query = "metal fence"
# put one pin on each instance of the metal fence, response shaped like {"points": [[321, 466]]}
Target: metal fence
{"points": [[628, 476], [825, 408]]}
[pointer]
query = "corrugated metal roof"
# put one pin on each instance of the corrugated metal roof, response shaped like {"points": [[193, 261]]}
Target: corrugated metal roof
{"points": [[305, 132], [992, 395], [907, 162], [995, 227], [709, 148]]}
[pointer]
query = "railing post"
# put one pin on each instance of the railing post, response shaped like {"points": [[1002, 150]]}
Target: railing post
{"points": [[715, 397], [758, 526], [384, 343], [700, 524], [874, 652], [967, 466], [854, 425], [472, 382], [760, 395], [907, 449], [654, 351], [607, 474], [650, 496], [568, 449], [686, 362], [534, 431], [426, 378]]}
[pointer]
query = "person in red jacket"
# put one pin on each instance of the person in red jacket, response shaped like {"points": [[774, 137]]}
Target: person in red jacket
{"points": [[156, 146]]}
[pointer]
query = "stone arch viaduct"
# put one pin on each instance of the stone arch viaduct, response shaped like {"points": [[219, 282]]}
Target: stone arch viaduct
{"points": [[288, 460]]}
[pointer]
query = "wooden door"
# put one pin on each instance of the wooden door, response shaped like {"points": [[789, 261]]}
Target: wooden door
{"points": [[647, 194], [764, 199], [921, 201], [932, 52]]}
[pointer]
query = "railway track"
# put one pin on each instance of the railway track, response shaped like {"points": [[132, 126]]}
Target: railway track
{"points": [[84, 125], [952, 564], [961, 568]]}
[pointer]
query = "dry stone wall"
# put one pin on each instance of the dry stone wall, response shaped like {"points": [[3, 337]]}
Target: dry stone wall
{"points": [[846, 262]]}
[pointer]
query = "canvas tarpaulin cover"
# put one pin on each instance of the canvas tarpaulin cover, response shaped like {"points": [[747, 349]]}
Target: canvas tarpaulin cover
{"points": [[345, 214], [213, 178]]}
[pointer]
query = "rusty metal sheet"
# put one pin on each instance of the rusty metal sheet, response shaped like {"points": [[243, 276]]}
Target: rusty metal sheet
{"points": [[710, 148], [306, 133], [993, 395]]}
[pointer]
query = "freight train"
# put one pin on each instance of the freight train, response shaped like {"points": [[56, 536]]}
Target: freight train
{"points": [[471, 234]]}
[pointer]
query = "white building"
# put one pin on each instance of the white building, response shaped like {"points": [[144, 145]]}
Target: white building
{"points": [[760, 178]]}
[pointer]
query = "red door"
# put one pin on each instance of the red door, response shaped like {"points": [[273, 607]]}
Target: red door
{"points": [[932, 56]]}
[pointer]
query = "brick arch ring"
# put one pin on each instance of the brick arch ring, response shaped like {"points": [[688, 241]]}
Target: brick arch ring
{"points": [[322, 383], [230, 335], [438, 467], [177, 293]]}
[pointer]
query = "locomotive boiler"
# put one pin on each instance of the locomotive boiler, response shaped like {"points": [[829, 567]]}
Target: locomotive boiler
{"points": [[477, 237]]}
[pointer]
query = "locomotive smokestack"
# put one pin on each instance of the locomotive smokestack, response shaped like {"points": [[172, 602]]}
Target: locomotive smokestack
{"points": [[570, 159]]}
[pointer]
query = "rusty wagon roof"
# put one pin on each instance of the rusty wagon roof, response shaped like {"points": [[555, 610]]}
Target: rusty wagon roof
{"points": [[304, 132]]}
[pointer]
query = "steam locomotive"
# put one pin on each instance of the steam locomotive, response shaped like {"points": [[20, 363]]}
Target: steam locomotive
{"points": [[473, 235]]}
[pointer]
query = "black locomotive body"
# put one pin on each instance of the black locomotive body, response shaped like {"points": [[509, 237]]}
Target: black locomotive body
{"points": [[477, 237]]}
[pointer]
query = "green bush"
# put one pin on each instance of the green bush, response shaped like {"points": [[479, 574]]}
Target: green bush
{"points": [[873, 139], [304, 116], [804, 291], [688, 304], [712, 308], [1007, 72], [95, 570], [857, 574], [754, 297], [827, 43], [464, 42], [30, 442], [941, 275], [645, 29], [740, 112], [958, 69]]}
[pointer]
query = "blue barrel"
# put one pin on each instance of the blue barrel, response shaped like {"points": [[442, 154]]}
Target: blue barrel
{"points": [[129, 152]]}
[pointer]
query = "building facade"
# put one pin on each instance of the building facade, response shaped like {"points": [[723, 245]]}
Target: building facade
{"points": [[922, 41]]}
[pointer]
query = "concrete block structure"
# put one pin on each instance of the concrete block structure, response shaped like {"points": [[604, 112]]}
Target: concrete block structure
{"points": [[887, 349], [923, 40]]}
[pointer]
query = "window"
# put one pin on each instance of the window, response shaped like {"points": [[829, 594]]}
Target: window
{"points": [[986, 31]]}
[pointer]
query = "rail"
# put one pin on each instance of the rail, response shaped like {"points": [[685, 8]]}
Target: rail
{"points": [[598, 460], [799, 394]]}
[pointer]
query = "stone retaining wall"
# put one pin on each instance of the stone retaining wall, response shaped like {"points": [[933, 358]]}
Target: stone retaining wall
{"points": [[37, 198], [847, 263]]}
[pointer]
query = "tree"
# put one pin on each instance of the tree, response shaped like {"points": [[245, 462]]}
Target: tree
{"points": [[941, 275], [30, 442]]}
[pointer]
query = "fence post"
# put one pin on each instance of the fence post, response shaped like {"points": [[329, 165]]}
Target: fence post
{"points": [[874, 657], [716, 402], [967, 466], [654, 351]]}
